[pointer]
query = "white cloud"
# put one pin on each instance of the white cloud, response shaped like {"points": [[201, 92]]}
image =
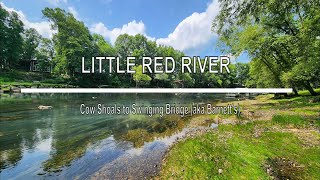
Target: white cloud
{"points": [[73, 11], [194, 31], [43, 27], [57, 2], [132, 28], [192, 35]]}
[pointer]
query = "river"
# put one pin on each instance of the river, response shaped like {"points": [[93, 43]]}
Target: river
{"points": [[63, 143]]}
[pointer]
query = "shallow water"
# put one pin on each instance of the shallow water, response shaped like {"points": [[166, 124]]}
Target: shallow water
{"points": [[62, 143]]}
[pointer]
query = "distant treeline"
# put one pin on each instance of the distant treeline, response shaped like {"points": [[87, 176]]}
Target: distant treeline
{"points": [[73, 41]]}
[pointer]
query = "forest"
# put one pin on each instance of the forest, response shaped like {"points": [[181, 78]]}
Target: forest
{"points": [[281, 39]]}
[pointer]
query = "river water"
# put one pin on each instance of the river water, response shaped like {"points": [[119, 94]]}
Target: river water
{"points": [[62, 143]]}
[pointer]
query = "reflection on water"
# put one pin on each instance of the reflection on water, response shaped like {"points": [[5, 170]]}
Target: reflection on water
{"points": [[62, 143]]}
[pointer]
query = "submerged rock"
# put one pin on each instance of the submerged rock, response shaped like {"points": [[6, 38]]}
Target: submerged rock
{"points": [[41, 107]]}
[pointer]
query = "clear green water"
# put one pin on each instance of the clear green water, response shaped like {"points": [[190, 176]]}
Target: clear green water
{"points": [[62, 143]]}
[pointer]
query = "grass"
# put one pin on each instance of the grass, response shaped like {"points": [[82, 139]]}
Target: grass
{"points": [[294, 120], [281, 141], [307, 93], [29, 79], [239, 154]]}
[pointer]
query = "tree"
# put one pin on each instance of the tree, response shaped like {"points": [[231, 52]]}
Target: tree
{"points": [[162, 79], [31, 41], [186, 80], [45, 54], [280, 36], [137, 46], [242, 70], [3, 34], [14, 39], [140, 78], [11, 28], [260, 76], [104, 48], [72, 41], [167, 51]]}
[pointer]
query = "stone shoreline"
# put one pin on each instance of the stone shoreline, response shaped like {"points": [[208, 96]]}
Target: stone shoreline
{"points": [[17, 88], [149, 165]]}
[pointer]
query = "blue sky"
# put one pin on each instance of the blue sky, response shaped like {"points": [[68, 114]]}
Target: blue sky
{"points": [[183, 24]]}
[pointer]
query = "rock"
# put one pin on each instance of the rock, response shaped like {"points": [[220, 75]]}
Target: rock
{"points": [[268, 170], [220, 171], [17, 90], [41, 107]]}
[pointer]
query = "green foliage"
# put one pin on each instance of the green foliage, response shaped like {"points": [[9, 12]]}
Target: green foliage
{"points": [[11, 28], [103, 47], [260, 76], [116, 81], [280, 36], [31, 41], [140, 78], [72, 41], [162, 80], [45, 54], [137, 45], [242, 70], [186, 80]]}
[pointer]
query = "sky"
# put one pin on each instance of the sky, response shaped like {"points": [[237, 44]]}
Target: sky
{"points": [[182, 24]]}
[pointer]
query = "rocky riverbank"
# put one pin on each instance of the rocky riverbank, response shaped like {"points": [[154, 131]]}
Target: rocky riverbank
{"points": [[16, 88], [146, 162], [273, 139]]}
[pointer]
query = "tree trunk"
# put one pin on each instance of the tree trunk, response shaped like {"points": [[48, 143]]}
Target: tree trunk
{"points": [[310, 89], [295, 91]]}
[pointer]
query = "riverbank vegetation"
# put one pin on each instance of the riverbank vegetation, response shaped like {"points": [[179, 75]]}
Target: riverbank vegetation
{"points": [[274, 138]]}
